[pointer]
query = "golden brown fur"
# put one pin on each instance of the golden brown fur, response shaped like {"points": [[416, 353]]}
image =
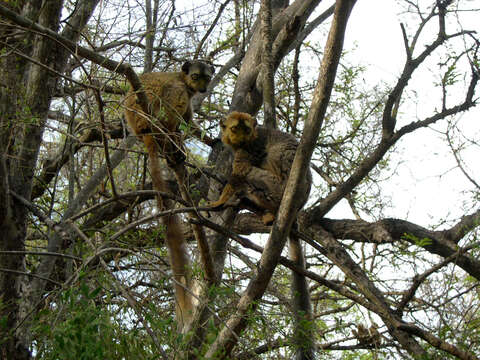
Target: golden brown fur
{"points": [[261, 166], [169, 95]]}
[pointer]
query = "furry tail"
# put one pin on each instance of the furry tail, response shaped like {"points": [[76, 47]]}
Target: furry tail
{"points": [[175, 241]]}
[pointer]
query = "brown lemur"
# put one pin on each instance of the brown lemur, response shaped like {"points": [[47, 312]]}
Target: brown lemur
{"points": [[262, 161], [169, 95]]}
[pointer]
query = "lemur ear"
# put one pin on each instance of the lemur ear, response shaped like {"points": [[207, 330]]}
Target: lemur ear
{"points": [[186, 66], [212, 69]]}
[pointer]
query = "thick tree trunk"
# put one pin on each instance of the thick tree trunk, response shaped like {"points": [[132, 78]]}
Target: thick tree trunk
{"points": [[286, 26], [25, 94], [25, 115], [13, 235]]}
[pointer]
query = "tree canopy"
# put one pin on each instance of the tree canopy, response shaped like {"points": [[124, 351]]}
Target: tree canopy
{"points": [[381, 263]]}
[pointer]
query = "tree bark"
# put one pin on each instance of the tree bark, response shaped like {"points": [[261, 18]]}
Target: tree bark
{"points": [[267, 64], [24, 104], [304, 328], [227, 338], [247, 95]]}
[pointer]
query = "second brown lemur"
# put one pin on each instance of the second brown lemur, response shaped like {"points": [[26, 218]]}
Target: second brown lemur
{"points": [[262, 161]]}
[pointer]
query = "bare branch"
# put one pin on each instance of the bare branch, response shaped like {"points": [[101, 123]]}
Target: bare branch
{"points": [[119, 43], [120, 68], [43, 278], [101, 112], [405, 42], [387, 141], [437, 342], [267, 65], [333, 285], [419, 279], [338, 255]]}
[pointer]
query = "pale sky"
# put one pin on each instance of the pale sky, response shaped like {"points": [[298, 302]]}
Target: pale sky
{"points": [[418, 192]]}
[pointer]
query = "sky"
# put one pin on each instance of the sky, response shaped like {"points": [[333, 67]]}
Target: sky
{"points": [[425, 188]]}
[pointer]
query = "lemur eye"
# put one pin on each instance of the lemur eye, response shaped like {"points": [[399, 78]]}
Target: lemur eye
{"points": [[195, 76]]}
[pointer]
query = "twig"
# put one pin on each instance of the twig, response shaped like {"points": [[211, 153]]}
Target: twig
{"points": [[170, 212], [38, 213], [101, 111], [210, 29], [405, 42], [333, 285], [127, 196], [107, 63], [31, 275], [42, 253]]}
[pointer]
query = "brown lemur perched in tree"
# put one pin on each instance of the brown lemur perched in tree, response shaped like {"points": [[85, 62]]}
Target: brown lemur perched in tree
{"points": [[262, 161], [169, 95]]}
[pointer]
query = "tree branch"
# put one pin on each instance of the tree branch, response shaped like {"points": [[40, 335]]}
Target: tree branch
{"points": [[281, 227], [437, 342], [386, 144], [390, 230], [268, 80], [334, 251], [333, 285]]}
